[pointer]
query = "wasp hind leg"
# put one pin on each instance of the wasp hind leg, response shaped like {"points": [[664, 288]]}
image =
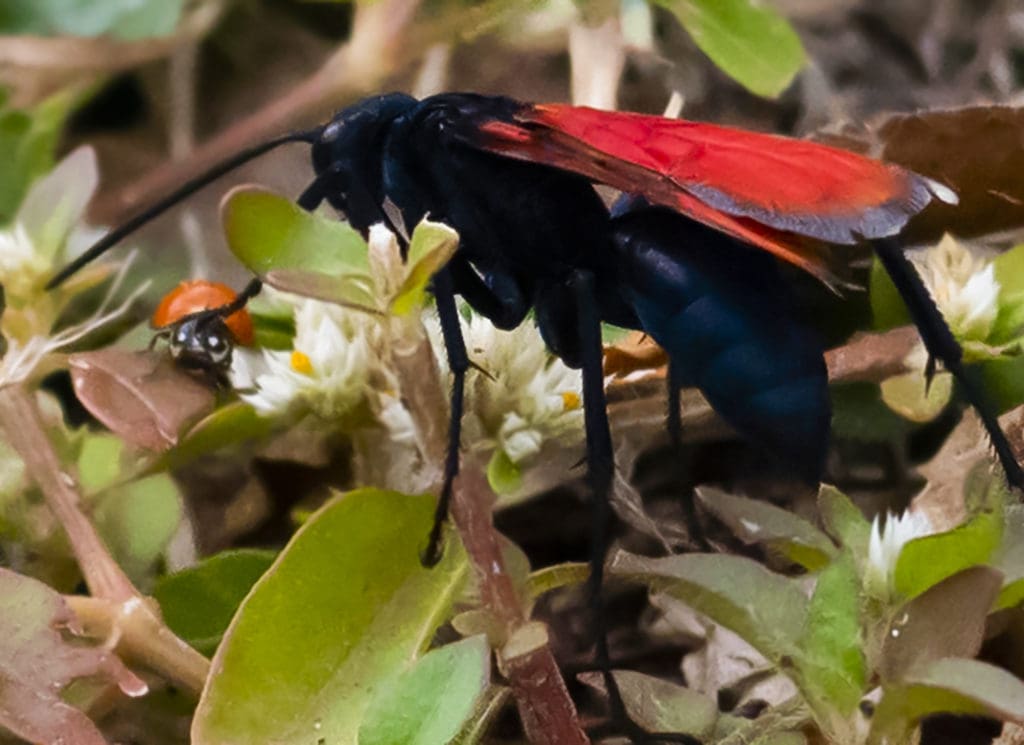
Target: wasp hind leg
{"points": [[674, 424], [941, 345], [600, 471]]}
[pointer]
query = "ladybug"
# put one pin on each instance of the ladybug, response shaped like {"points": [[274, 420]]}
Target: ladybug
{"points": [[202, 321]]}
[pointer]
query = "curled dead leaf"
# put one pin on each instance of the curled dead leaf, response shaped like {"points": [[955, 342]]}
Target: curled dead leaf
{"points": [[141, 396]]}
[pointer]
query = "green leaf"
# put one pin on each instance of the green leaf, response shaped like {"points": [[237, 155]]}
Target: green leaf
{"points": [[124, 19], [503, 475], [660, 706], [1009, 271], [430, 702], [887, 307], [199, 602], [1003, 382], [843, 520], [346, 607], [1010, 559], [28, 141], [757, 521], [947, 620], [924, 562], [831, 666], [266, 231], [766, 609], [99, 462], [858, 413], [137, 521], [432, 245], [953, 686], [556, 576], [748, 40], [228, 425], [910, 396]]}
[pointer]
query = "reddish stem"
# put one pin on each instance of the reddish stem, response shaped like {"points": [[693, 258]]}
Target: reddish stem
{"points": [[548, 714], [20, 418]]}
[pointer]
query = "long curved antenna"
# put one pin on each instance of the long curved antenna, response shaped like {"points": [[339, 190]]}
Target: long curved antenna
{"points": [[128, 227]]}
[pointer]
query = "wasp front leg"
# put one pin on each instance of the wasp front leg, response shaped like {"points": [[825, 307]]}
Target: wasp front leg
{"points": [[510, 306]]}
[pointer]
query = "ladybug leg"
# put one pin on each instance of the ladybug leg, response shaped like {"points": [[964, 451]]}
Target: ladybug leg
{"points": [[600, 471], [941, 345], [158, 336]]}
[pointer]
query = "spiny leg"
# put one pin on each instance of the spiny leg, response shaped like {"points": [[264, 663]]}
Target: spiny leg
{"points": [[941, 345], [675, 435], [458, 361], [600, 471]]}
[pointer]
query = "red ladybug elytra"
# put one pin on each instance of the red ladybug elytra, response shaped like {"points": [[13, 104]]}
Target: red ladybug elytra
{"points": [[202, 321]]}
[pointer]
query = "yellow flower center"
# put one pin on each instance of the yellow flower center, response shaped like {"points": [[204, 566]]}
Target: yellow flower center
{"points": [[571, 400], [301, 363]]}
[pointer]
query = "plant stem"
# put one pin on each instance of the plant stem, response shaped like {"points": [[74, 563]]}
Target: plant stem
{"points": [[117, 609], [141, 637], [548, 714], [23, 424]]}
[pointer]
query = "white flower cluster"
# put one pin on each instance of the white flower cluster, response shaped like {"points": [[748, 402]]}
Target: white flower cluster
{"points": [[963, 286], [326, 372], [520, 397], [527, 396]]}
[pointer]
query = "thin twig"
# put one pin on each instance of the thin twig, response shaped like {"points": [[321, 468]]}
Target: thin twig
{"points": [[359, 66]]}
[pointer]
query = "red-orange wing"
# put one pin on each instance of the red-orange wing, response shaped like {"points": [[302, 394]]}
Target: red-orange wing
{"points": [[787, 196]]}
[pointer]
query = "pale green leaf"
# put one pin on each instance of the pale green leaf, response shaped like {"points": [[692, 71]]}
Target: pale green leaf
{"points": [[831, 664], [429, 703], [660, 706], [766, 609], [757, 521], [346, 607], [953, 686], [748, 40], [924, 562], [432, 246]]}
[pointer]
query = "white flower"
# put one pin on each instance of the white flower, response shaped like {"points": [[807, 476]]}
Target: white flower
{"points": [[527, 396], [325, 373], [885, 546], [963, 286]]}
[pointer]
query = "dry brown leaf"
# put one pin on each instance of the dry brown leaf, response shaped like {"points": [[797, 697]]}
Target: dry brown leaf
{"points": [[141, 396], [37, 661]]}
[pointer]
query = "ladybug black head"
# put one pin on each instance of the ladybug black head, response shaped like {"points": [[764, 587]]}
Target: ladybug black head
{"points": [[202, 341]]}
